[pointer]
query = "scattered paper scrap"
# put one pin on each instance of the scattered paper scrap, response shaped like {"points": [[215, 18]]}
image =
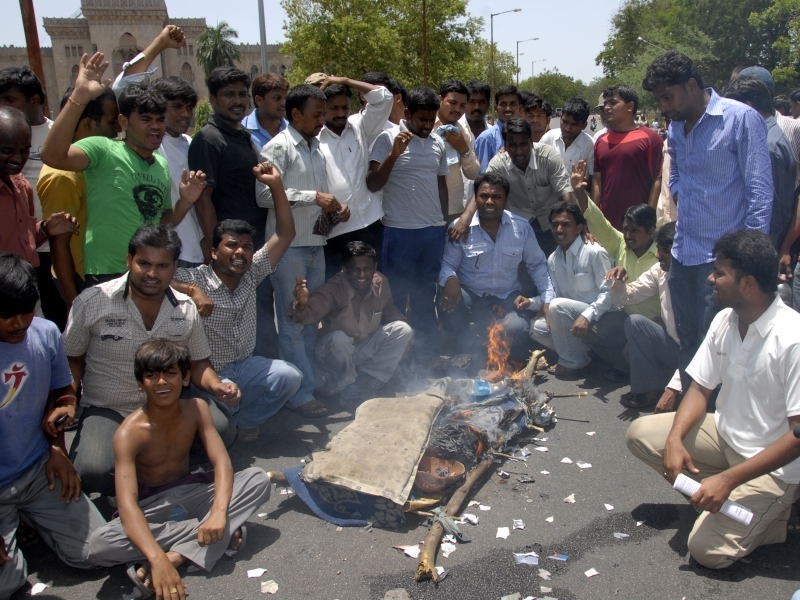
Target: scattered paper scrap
{"points": [[262, 515], [450, 538], [338, 529], [412, 551], [473, 503], [545, 472], [584, 465], [269, 587], [609, 506], [621, 536], [503, 475], [566, 460], [516, 596], [591, 433], [541, 448], [559, 556], [287, 491], [524, 452], [442, 572], [542, 439], [253, 573], [447, 549], [470, 518], [503, 533], [570, 499], [518, 524], [484, 507], [527, 558], [38, 588], [545, 574], [639, 523], [591, 573], [550, 519], [544, 589]]}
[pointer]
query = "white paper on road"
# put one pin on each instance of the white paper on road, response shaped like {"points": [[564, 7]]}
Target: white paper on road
{"points": [[484, 507], [621, 536], [609, 506], [570, 499], [566, 460], [591, 433], [269, 587], [470, 518], [591, 573], [545, 574], [544, 589], [473, 503], [503, 533], [38, 588], [442, 572], [412, 551], [584, 465], [545, 472], [447, 549], [550, 519], [527, 558], [541, 448], [252, 573], [518, 524], [639, 523], [524, 452]]}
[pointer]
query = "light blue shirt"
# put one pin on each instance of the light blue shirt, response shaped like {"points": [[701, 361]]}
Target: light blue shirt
{"points": [[580, 274], [260, 135], [488, 143], [489, 267], [721, 177]]}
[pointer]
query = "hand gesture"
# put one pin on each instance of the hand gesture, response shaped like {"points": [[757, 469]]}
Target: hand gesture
{"points": [[457, 141], [401, 143], [268, 174], [60, 467], [331, 79], [228, 392], [451, 294], [60, 223], [172, 37], [578, 177], [617, 274], [676, 459], [191, 186], [89, 83], [300, 293], [49, 423], [458, 231], [204, 304], [328, 202], [521, 302], [212, 528], [580, 327]]}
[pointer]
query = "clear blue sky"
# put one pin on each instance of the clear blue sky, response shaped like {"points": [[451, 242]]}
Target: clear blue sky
{"points": [[570, 35]]}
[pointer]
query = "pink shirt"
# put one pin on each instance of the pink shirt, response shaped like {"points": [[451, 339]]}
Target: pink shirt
{"points": [[20, 232]]}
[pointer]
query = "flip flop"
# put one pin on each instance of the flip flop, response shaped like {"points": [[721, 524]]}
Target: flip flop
{"points": [[311, 410], [231, 552], [140, 589]]}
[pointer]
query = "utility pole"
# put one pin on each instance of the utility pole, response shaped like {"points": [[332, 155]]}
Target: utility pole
{"points": [[32, 40], [262, 27]]}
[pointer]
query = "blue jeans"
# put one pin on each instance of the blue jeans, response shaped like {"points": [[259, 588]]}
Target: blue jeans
{"points": [[296, 342], [412, 259], [693, 306], [266, 385]]}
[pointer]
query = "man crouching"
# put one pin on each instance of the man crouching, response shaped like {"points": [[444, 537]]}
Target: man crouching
{"points": [[172, 516]]}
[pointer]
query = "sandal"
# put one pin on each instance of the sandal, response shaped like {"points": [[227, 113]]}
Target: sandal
{"points": [[639, 401], [242, 540], [311, 410], [141, 589]]}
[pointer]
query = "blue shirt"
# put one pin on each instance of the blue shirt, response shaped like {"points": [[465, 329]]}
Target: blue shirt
{"points": [[260, 135], [721, 177], [489, 267], [784, 169], [488, 143], [29, 370]]}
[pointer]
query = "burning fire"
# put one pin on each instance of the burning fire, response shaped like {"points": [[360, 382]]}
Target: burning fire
{"points": [[499, 347]]}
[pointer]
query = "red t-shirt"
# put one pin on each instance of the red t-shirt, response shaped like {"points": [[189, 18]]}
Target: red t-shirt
{"points": [[629, 162]]}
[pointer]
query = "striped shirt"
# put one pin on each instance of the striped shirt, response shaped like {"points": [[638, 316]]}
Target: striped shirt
{"points": [[302, 168], [721, 177]]}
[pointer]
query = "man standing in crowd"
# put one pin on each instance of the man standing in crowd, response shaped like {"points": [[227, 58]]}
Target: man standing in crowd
{"points": [[268, 118], [570, 139], [477, 106], [488, 143]]}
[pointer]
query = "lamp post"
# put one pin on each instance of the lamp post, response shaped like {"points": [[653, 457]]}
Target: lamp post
{"points": [[518, 43], [533, 64], [491, 45]]}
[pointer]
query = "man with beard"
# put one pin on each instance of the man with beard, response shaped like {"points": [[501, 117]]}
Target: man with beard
{"points": [[477, 106], [752, 349], [107, 324], [127, 183], [230, 282]]}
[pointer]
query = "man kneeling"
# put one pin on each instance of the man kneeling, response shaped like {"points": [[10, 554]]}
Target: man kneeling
{"points": [[172, 516]]}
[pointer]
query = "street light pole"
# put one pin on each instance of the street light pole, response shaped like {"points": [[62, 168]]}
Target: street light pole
{"points": [[518, 43], [262, 32], [533, 63], [491, 47]]}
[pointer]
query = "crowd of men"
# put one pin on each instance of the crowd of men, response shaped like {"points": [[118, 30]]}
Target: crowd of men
{"points": [[296, 255]]}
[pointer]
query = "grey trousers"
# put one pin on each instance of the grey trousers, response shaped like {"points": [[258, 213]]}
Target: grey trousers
{"points": [[653, 355], [64, 527], [175, 515], [339, 358]]}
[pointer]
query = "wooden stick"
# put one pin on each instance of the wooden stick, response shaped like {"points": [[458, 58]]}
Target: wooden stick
{"points": [[426, 569]]}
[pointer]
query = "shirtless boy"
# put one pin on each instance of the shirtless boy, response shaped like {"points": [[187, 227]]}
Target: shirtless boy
{"points": [[167, 516]]}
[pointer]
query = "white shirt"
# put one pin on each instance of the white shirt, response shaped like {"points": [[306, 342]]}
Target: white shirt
{"points": [[176, 151], [346, 161], [582, 148], [580, 274], [760, 377]]}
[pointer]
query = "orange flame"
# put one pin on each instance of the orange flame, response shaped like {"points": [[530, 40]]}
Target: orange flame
{"points": [[499, 348]]}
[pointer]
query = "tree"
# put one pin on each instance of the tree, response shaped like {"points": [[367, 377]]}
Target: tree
{"points": [[553, 86], [350, 37], [215, 47], [780, 25]]}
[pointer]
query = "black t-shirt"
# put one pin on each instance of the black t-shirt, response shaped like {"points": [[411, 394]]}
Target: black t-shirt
{"points": [[227, 157]]}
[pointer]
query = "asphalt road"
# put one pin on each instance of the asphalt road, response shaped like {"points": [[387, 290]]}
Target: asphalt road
{"points": [[310, 559]]}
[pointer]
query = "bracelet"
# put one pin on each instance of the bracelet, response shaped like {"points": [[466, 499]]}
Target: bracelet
{"points": [[75, 102], [67, 400]]}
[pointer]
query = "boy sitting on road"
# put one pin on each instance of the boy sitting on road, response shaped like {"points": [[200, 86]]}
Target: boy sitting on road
{"points": [[172, 516]]}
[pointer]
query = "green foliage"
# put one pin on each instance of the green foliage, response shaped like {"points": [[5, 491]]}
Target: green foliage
{"points": [[215, 47], [201, 114], [420, 42], [779, 24], [555, 87]]}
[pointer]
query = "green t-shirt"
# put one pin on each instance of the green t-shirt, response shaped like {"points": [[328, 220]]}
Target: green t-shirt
{"points": [[123, 192]]}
